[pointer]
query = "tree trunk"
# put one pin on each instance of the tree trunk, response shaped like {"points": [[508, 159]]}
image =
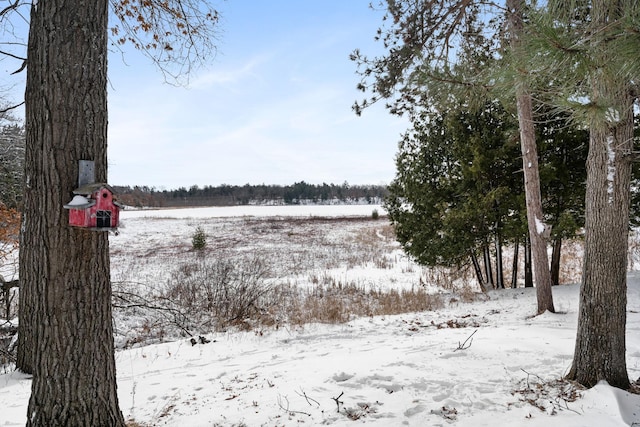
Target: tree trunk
{"points": [[499, 272], [66, 333], [528, 273], [514, 269], [600, 344], [555, 261], [533, 196], [478, 270], [488, 269], [540, 258]]}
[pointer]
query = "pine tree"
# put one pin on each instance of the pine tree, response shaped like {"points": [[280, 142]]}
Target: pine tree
{"points": [[456, 185], [421, 68], [589, 51]]}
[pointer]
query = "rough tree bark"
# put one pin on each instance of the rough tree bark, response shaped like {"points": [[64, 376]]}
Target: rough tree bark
{"points": [[488, 269], [555, 261], [600, 352], [533, 195], [528, 271], [499, 269], [66, 335], [514, 264], [478, 270]]}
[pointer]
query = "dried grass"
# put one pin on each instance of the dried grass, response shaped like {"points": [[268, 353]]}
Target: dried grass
{"points": [[340, 303], [269, 272]]}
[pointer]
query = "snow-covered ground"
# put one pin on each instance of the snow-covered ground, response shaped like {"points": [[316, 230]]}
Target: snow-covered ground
{"points": [[485, 363]]}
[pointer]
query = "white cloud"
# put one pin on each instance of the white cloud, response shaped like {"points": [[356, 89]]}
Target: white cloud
{"points": [[233, 75], [275, 108]]}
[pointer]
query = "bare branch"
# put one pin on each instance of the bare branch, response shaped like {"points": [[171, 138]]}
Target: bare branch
{"points": [[5, 286], [464, 345], [177, 35], [338, 401], [22, 67], [307, 398], [12, 6], [173, 315], [286, 409], [11, 55], [13, 107]]}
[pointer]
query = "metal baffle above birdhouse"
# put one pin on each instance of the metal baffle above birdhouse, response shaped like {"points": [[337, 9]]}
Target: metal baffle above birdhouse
{"points": [[93, 205]]}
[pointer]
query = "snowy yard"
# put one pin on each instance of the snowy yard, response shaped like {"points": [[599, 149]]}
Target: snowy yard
{"points": [[481, 363]]}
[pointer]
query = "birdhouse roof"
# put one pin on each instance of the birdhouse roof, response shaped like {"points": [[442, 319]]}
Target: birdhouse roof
{"points": [[80, 202], [92, 188]]}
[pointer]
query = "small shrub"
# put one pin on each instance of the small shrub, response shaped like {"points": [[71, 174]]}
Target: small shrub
{"points": [[375, 214], [199, 239], [228, 291]]}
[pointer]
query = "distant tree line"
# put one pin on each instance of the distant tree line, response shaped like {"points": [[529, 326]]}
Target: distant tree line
{"points": [[231, 195]]}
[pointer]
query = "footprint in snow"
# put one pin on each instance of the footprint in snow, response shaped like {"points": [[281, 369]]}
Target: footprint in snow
{"points": [[342, 376]]}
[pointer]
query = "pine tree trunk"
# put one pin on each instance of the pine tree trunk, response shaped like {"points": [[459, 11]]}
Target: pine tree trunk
{"points": [[514, 269], [555, 261], [478, 270], [528, 273], [66, 334], [488, 269], [540, 258], [499, 272], [600, 344], [533, 197]]}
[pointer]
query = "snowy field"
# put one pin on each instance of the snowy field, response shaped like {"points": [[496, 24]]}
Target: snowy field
{"points": [[258, 211], [483, 363]]}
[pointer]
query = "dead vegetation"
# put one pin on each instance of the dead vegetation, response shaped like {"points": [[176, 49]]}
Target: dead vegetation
{"points": [[338, 304], [254, 273], [550, 396]]}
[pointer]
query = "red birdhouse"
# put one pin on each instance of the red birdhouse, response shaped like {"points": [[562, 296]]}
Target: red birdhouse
{"points": [[94, 207]]}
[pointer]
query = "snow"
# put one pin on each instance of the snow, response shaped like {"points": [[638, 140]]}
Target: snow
{"points": [[611, 166], [579, 99], [79, 201], [540, 227], [257, 211], [489, 362], [612, 115]]}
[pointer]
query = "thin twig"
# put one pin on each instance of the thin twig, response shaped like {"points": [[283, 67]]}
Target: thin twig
{"points": [[307, 398], [136, 301], [463, 345], [528, 374], [289, 411], [338, 402]]}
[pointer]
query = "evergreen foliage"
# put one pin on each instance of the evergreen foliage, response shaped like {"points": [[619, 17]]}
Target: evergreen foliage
{"points": [[232, 195], [459, 190], [457, 184], [199, 239], [563, 155], [588, 51]]}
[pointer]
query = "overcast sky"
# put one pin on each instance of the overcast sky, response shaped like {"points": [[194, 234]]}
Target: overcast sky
{"points": [[273, 107]]}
